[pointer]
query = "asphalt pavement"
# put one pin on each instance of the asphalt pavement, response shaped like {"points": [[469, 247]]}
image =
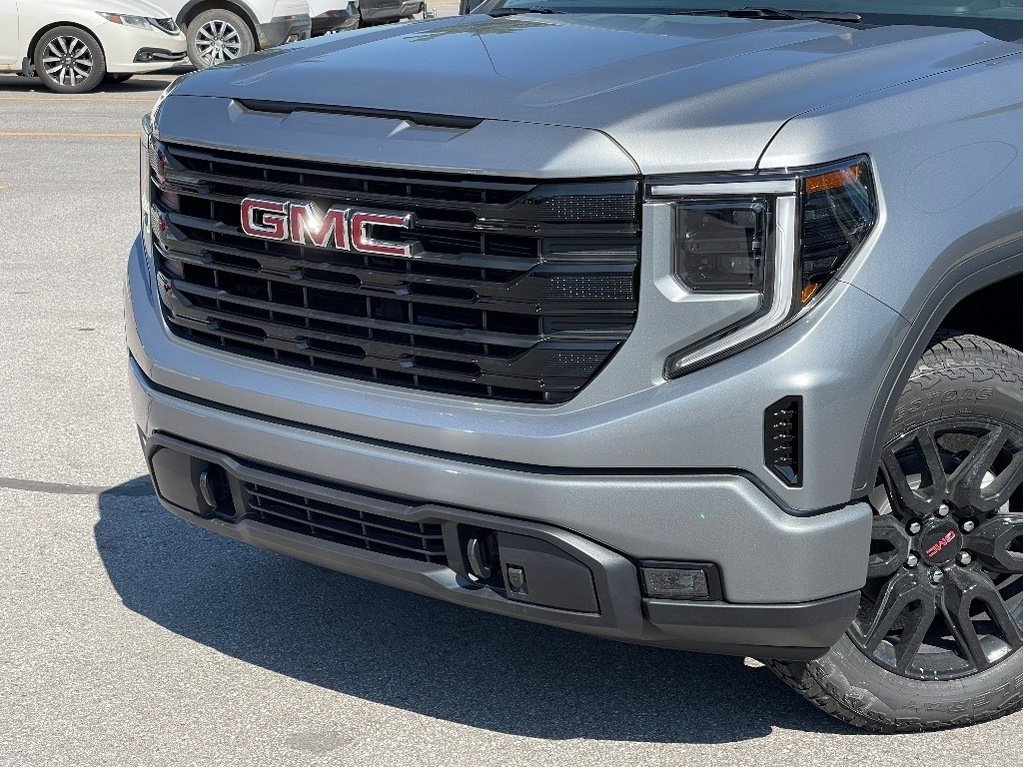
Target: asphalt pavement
{"points": [[128, 637]]}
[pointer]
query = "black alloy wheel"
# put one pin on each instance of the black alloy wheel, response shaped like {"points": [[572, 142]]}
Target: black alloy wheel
{"points": [[943, 597]]}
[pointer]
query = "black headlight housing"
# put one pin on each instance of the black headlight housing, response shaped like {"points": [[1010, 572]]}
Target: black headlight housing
{"points": [[781, 236], [839, 209]]}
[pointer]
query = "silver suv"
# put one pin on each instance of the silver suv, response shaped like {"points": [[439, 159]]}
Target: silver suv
{"points": [[671, 322]]}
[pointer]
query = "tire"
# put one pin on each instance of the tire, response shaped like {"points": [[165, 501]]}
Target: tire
{"points": [[69, 60], [217, 36], [930, 651], [118, 77]]}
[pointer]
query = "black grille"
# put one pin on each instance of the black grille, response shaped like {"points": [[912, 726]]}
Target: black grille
{"points": [[352, 523], [517, 290], [167, 25]]}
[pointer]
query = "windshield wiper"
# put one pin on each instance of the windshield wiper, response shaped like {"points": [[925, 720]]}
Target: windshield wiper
{"points": [[515, 11], [754, 12]]}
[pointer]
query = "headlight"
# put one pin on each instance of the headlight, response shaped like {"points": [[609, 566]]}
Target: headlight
{"points": [[781, 237], [140, 22]]}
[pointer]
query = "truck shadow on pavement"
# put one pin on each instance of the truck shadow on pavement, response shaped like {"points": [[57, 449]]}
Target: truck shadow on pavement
{"points": [[424, 655]]}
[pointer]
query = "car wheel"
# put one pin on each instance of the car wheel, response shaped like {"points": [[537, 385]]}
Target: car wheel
{"points": [[217, 36], [118, 77], [937, 640], [69, 60]]}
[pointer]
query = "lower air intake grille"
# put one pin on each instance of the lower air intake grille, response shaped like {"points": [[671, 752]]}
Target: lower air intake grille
{"points": [[351, 524]]}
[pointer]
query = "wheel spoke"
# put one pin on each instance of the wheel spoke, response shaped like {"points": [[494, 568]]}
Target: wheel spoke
{"points": [[917, 623], [903, 496], [890, 546], [996, 493], [955, 608], [965, 589], [994, 542], [52, 48], [899, 594], [965, 484], [928, 443]]}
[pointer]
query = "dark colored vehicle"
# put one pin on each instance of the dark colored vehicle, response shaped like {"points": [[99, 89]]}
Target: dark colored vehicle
{"points": [[680, 323]]}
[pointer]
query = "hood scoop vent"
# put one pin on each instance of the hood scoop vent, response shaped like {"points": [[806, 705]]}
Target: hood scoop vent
{"points": [[415, 119]]}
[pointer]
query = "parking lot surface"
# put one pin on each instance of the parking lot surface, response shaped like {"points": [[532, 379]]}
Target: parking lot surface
{"points": [[127, 636]]}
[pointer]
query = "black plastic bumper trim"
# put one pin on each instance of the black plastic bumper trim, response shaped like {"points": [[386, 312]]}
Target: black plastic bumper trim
{"points": [[277, 30], [342, 20], [158, 54], [801, 631]]}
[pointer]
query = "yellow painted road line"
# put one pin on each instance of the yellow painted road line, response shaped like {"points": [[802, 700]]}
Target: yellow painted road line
{"points": [[79, 99], [66, 135]]}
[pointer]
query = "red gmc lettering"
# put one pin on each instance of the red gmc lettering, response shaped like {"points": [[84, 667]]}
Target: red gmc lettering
{"points": [[307, 220], [939, 545], [339, 228], [264, 219], [362, 241]]}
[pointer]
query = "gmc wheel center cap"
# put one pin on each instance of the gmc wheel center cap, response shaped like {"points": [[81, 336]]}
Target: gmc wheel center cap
{"points": [[939, 543]]}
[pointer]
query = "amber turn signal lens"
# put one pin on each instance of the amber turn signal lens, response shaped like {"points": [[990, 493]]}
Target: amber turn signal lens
{"points": [[833, 179], [809, 292]]}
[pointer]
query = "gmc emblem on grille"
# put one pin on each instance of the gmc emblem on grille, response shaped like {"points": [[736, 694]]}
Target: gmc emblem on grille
{"points": [[305, 224]]}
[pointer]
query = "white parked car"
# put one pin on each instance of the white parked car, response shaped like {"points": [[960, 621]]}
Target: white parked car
{"points": [[74, 45], [222, 30]]}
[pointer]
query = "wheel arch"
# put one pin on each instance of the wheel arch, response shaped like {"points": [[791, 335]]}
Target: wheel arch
{"points": [[193, 8], [955, 303], [34, 41]]}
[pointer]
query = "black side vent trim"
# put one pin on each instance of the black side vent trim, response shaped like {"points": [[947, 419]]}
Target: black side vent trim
{"points": [[783, 440]]}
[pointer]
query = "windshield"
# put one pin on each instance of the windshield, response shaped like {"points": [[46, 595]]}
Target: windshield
{"points": [[998, 18]]}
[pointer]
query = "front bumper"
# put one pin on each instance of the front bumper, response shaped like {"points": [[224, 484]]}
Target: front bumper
{"points": [[571, 582], [129, 49], [283, 29]]}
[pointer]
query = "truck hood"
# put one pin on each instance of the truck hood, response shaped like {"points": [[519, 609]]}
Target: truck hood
{"points": [[712, 91]]}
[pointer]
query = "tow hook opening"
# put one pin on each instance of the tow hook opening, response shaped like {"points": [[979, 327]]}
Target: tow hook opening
{"points": [[202, 487], [524, 569], [479, 547]]}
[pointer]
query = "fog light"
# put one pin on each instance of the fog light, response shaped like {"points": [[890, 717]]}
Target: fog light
{"points": [[681, 581]]}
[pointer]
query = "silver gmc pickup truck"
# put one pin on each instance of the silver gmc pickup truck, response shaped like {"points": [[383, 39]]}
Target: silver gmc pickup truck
{"points": [[680, 323]]}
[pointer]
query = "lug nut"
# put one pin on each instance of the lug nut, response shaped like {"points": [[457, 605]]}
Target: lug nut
{"points": [[914, 528], [936, 576], [968, 526], [943, 510], [912, 561], [964, 558]]}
